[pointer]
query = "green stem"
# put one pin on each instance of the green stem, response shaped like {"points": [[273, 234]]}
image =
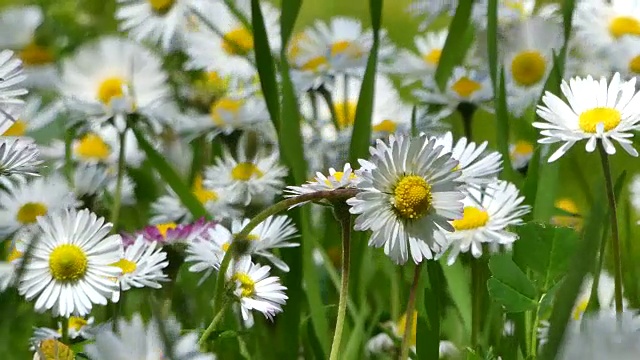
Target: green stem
{"points": [[117, 196], [212, 325], [533, 344], [326, 95], [615, 240], [342, 214], [69, 135], [476, 310], [411, 305], [594, 302], [65, 330]]}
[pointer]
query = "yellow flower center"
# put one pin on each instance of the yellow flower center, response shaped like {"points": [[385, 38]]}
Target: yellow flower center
{"points": [[580, 308], [567, 205], [213, 81], [247, 285], [634, 65], [222, 106], [53, 349], [522, 148], [14, 254], [590, 119], [127, 266], [571, 207], [203, 194], [110, 88], [163, 228], [432, 57], [314, 64], [161, 6], [19, 128], [386, 125], [338, 175], [345, 113], [92, 147], [624, 25], [528, 67], [225, 246], [472, 218], [238, 42], [68, 263], [402, 324], [465, 87], [346, 47], [28, 212], [34, 55], [515, 5], [76, 323], [244, 171], [412, 197], [294, 45]]}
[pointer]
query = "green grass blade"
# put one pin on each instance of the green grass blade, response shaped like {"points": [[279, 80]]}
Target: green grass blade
{"points": [[172, 178], [290, 11], [457, 283], [461, 33], [502, 130]]}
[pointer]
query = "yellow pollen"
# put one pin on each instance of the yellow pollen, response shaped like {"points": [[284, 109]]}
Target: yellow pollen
{"points": [[465, 87], [127, 266], [314, 64], [386, 125], [247, 285], [590, 119], [244, 171], [224, 106], [28, 212], [68, 263], [76, 323], [238, 42], [472, 218], [402, 324], [339, 47], [92, 147], [14, 254], [528, 68], [203, 194], [35, 55], [53, 349], [110, 88], [624, 25], [634, 65], [581, 307], [19, 128], [225, 246], [522, 148], [161, 6], [433, 57], [412, 197], [164, 228], [345, 113]]}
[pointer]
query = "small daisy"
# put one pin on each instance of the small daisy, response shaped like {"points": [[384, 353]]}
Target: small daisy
{"points": [[9, 267], [520, 154], [31, 116], [513, 12], [172, 233], [18, 157], [572, 219], [142, 265], [78, 327], [412, 191], [335, 180], [205, 254], [246, 178], [487, 214], [159, 21], [600, 23], [70, 267], [130, 79], [23, 202], [625, 56], [135, 340], [412, 66], [90, 179], [595, 111], [11, 78], [255, 289]]}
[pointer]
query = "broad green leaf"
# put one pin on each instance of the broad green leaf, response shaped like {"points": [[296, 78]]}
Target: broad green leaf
{"points": [[459, 39], [509, 286], [169, 175], [457, 283], [548, 180]]}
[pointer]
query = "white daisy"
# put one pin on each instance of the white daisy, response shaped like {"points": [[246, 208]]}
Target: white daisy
{"points": [[513, 12], [22, 202], [31, 116], [412, 66], [335, 180], [205, 254], [600, 23], [255, 289], [70, 267], [595, 111], [487, 214], [141, 266], [9, 267], [246, 178], [273, 233], [223, 44], [520, 154], [11, 78], [585, 59], [89, 179], [129, 79], [429, 10], [78, 327], [605, 293], [19, 23], [625, 56], [135, 340], [412, 191], [18, 157], [159, 21]]}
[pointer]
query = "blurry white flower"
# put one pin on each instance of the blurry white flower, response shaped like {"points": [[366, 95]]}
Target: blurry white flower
{"points": [[18, 157], [412, 66], [30, 117], [600, 23], [520, 153], [11, 80]]}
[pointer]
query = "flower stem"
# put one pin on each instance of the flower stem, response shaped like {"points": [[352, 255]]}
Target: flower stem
{"points": [[341, 212], [326, 95], [212, 325], [411, 305], [615, 240], [476, 285], [65, 330], [68, 155], [117, 196]]}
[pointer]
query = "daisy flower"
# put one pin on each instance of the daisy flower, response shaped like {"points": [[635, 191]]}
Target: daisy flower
{"points": [[487, 214], [205, 254], [223, 44], [11, 78], [159, 21], [78, 327], [595, 111], [23, 202], [130, 79], [9, 267], [429, 10], [625, 56], [520, 154], [31, 116], [246, 178], [412, 191], [90, 179], [135, 340], [18, 157], [412, 66], [335, 180], [255, 289], [70, 269], [601, 23], [142, 266], [172, 233]]}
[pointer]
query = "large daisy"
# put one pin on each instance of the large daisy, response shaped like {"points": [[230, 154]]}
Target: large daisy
{"points": [[410, 192], [70, 268], [601, 23], [595, 111]]}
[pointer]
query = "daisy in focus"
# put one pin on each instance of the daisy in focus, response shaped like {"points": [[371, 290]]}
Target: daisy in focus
{"points": [[142, 265], [18, 157], [335, 180], [412, 191], [595, 111], [70, 268], [487, 214]]}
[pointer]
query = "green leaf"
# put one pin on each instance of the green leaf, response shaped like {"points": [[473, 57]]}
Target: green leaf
{"points": [[288, 17], [170, 176], [509, 286], [530, 187], [458, 41], [428, 329], [502, 129], [457, 283], [548, 180]]}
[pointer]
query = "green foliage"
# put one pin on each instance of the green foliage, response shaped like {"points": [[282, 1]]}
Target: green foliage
{"points": [[509, 285]]}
